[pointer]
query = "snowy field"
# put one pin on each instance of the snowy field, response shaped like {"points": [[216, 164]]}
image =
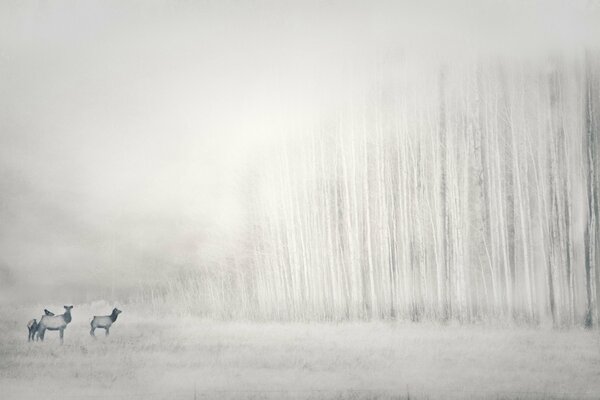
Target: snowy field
{"points": [[187, 357]]}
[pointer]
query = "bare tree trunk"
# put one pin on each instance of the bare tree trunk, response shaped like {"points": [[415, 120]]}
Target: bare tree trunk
{"points": [[446, 237], [591, 228]]}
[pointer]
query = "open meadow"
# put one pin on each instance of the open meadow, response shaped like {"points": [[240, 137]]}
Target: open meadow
{"points": [[175, 357]]}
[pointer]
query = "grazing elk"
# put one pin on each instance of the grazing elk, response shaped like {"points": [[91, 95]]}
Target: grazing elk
{"points": [[54, 323], [104, 321], [32, 325]]}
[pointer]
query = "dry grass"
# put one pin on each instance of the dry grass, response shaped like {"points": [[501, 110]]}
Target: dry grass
{"points": [[183, 357]]}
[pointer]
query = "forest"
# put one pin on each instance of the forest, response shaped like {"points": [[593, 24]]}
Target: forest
{"points": [[454, 190]]}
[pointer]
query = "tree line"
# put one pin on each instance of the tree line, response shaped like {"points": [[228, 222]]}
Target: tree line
{"points": [[463, 190]]}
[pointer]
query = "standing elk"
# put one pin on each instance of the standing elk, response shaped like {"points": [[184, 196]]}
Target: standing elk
{"points": [[54, 323], [104, 321], [32, 327]]}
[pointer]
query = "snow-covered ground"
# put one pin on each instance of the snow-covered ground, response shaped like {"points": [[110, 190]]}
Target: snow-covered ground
{"points": [[172, 357]]}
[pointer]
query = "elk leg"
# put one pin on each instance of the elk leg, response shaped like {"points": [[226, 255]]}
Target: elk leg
{"points": [[107, 331], [62, 331]]}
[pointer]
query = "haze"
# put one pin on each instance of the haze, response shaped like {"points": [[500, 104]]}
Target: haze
{"points": [[127, 129]]}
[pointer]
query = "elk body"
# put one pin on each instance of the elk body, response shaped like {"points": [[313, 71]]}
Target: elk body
{"points": [[54, 323], [104, 321]]}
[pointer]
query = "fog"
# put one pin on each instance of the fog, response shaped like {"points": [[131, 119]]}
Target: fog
{"points": [[127, 129]]}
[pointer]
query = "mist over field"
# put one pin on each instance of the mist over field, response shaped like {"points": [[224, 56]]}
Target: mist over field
{"points": [[130, 133], [320, 199]]}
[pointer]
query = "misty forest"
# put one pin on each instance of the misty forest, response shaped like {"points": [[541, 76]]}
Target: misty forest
{"points": [[463, 191], [300, 200]]}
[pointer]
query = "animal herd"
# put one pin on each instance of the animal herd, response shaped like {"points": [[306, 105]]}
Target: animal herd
{"points": [[51, 322]]}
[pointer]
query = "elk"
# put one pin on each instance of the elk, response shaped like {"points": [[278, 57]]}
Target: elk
{"points": [[54, 323], [32, 325], [104, 321]]}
